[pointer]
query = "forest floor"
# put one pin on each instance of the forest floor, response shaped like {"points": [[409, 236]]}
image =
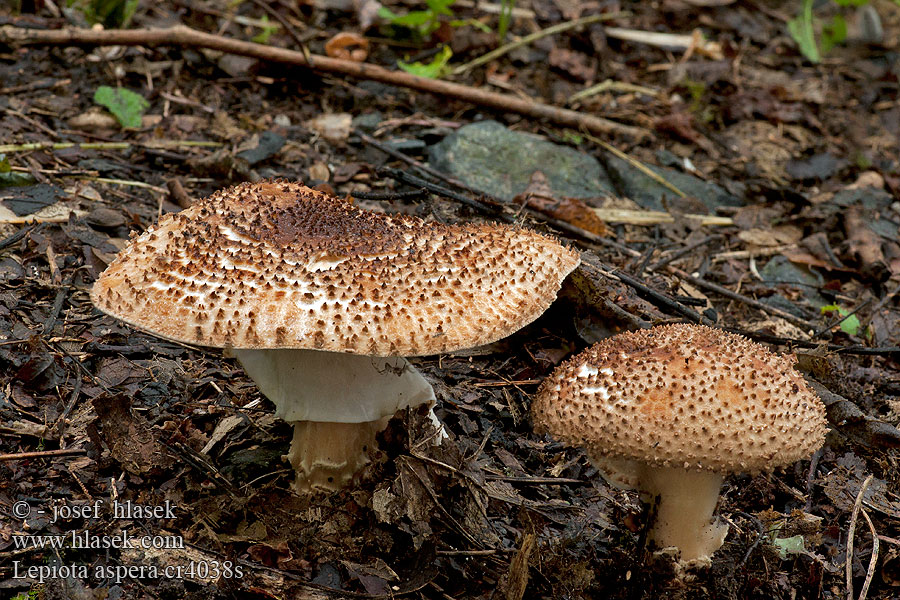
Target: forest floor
{"points": [[772, 210]]}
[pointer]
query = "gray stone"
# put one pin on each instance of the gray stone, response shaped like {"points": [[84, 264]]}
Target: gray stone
{"points": [[368, 122], [870, 198], [649, 194], [780, 270], [493, 159]]}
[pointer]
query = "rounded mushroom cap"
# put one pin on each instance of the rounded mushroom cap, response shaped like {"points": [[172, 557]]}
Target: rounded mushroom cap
{"points": [[278, 265], [683, 395]]}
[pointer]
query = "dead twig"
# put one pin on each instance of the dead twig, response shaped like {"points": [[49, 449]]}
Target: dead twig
{"points": [[659, 298], [389, 196], [785, 341], [760, 533], [638, 165], [73, 398], [178, 193], [804, 325], [848, 564], [683, 252], [537, 480], [488, 57], [840, 320], [19, 235], [180, 35], [493, 211], [422, 168], [873, 560], [43, 454]]}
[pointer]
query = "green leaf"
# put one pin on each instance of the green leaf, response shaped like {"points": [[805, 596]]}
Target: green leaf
{"points": [[570, 136], [125, 105], [440, 7], [506, 8], [10, 178], [473, 22], [112, 13], [850, 325], [414, 19], [834, 33], [386, 14], [432, 70], [267, 30], [789, 545], [851, 2], [801, 29]]}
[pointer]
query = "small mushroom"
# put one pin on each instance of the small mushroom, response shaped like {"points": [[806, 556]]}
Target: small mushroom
{"points": [[671, 410], [320, 301]]}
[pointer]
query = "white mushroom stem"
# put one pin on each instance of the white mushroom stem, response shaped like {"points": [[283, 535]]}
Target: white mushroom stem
{"points": [[685, 501], [337, 404], [327, 456]]}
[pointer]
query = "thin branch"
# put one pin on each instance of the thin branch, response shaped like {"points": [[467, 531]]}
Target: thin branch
{"points": [[848, 564], [873, 561], [105, 145], [180, 35], [485, 58], [43, 454], [804, 325], [638, 165]]}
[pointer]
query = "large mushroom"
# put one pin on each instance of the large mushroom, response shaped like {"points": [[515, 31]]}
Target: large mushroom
{"points": [[320, 301], [670, 410]]}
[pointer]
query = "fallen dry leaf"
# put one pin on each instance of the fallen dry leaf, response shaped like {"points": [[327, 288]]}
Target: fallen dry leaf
{"points": [[334, 127], [128, 436], [348, 46], [539, 196], [864, 245], [575, 64], [775, 236]]}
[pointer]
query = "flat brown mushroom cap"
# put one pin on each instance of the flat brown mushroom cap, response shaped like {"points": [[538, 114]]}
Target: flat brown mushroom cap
{"points": [[278, 265], [683, 395]]}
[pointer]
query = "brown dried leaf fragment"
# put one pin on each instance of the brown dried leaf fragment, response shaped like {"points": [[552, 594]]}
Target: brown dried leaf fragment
{"points": [[864, 245], [539, 196], [129, 437], [348, 46], [577, 65]]}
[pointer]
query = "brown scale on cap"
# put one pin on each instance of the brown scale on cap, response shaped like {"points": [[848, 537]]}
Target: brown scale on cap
{"points": [[278, 265], [683, 395]]}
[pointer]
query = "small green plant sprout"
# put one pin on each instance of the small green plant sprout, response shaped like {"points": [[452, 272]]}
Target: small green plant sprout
{"points": [[803, 29], [126, 106], [434, 69], [422, 23], [267, 30], [506, 10], [850, 325], [109, 13]]}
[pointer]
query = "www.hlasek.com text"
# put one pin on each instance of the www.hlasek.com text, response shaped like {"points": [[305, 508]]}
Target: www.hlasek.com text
{"points": [[85, 540]]}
